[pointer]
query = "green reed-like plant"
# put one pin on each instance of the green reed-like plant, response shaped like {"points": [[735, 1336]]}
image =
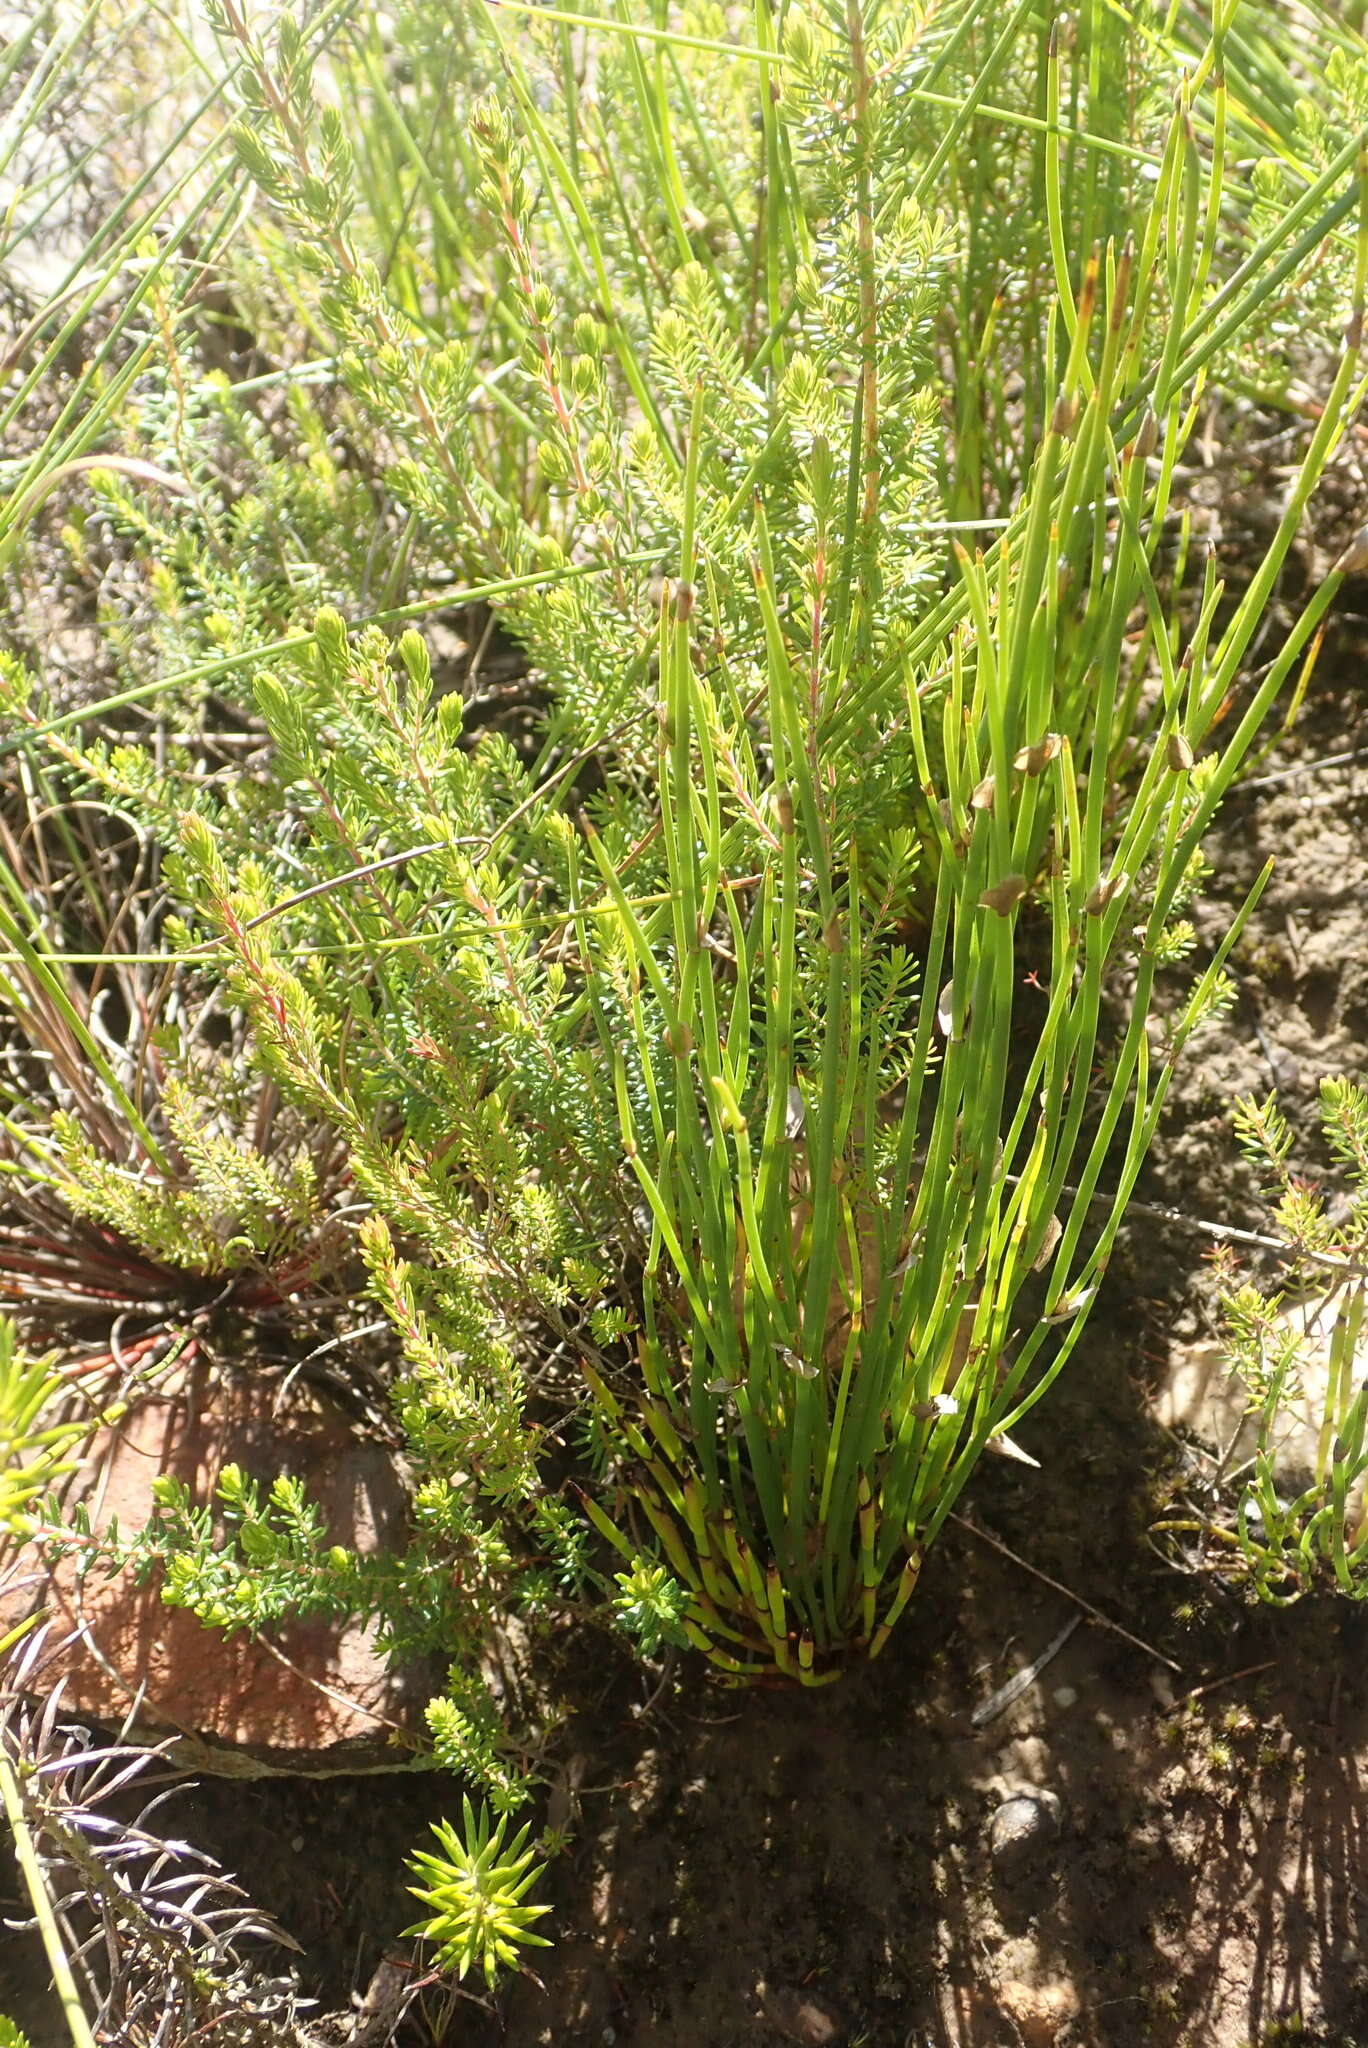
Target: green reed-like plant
{"points": [[855, 1161]]}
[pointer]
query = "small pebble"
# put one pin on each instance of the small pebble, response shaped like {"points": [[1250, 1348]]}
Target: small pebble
{"points": [[1023, 1828], [1065, 1696]]}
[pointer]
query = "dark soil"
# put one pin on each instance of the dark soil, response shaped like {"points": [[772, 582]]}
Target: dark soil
{"points": [[771, 1865]]}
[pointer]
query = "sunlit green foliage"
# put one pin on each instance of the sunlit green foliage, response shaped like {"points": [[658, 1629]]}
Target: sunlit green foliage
{"points": [[1300, 1520], [745, 1075], [698, 1044], [475, 1891], [35, 1448]]}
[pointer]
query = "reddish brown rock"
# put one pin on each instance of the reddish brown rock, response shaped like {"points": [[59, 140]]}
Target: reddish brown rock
{"points": [[327, 1689], [1039, 2011], [801, 2017]]}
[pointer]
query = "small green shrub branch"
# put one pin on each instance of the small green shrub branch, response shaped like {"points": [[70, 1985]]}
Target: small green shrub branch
{"points": [[1299, 1521]]}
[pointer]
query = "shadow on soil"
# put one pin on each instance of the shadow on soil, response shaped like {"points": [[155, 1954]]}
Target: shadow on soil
{"points": [[817, 1868]]}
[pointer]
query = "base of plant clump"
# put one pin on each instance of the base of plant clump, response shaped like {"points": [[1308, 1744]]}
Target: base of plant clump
{"points": [[738, 1611]]}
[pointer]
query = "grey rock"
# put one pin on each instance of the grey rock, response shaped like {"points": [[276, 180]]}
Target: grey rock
{"points": [[1023, 1829]]}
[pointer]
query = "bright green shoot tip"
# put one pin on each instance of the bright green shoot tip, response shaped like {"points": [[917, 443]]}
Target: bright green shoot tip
{"points": [[475, 1892]]}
